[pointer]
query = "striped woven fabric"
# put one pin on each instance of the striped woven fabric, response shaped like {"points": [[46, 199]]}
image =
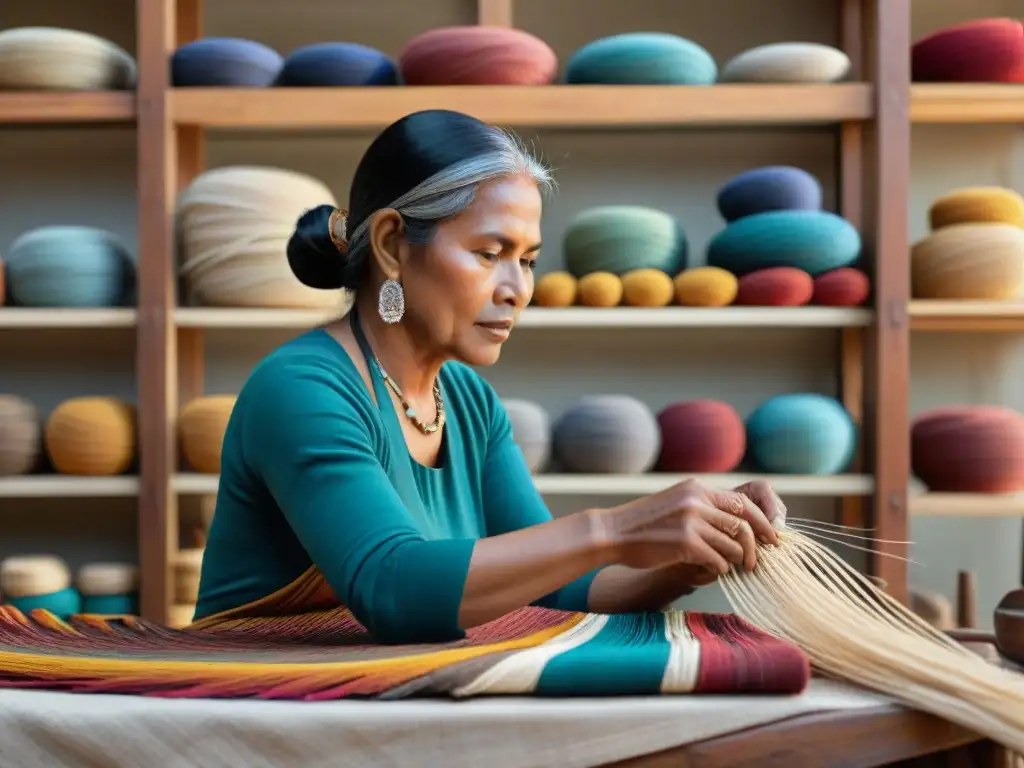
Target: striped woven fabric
{"points": [[327, 655]]}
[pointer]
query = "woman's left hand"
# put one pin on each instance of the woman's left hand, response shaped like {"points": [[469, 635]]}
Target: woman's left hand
{"points": [[761, 495]]}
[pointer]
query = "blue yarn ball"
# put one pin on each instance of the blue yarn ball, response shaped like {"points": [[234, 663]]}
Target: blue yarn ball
{"points": [[109, 605], [801, 434], [226, 62], [772, 188], [814, 241], [64, 603], [70, 267], [642, 58], [326, 65]]}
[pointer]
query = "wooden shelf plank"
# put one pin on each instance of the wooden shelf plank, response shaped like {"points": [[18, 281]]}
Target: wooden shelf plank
{"points": [[632, 485], [967, 505], [66, 486], [571, 317], [967, 316], [23, 318], [966, 103], [555, 106], [78, 107]]}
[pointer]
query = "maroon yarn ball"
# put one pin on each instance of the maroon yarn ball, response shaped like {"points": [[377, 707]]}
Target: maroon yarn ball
{"points": [[775, 287], [475, 55], [982, 51], [843, 287], [969, 449], [701, 436]]}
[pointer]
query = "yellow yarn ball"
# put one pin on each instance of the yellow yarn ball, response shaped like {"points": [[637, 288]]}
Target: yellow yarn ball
{"points": [[91, 436], [555, 289], [600, 289], [706, 287], [647, 288], [201, 426], [977, 205]]}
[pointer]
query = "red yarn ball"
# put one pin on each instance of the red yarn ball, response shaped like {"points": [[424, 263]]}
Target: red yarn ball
{"points": [[475, 55], [969, 449], [701, 436], [983, 51], [775, 287], [843, 287]]}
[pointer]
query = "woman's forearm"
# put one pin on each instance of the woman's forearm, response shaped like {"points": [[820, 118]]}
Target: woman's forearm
{"points": [[620, 589], [516, 569]]}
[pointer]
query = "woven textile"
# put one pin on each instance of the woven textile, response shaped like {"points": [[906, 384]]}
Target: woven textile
{"points": [[326, 654]]}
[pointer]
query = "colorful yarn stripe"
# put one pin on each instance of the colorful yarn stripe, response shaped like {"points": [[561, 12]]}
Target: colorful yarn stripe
{"points": [[328, 655]]}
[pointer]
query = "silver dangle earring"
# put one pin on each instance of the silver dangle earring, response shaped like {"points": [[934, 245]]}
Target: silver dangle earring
{"points": [[391, 302]]}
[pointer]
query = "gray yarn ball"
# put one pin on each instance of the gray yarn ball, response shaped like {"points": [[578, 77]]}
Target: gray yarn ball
{"points": [[614, 434], [531, 429]]}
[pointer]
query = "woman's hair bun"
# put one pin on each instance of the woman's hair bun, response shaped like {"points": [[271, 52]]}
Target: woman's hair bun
{"points": [[314, 258]]}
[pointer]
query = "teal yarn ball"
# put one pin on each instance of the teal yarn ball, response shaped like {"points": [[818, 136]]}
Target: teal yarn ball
{"points": [[70, 267], [641, 58], [64, 603], [801, 434], [813, 241], [111, 605], [620, 238]]}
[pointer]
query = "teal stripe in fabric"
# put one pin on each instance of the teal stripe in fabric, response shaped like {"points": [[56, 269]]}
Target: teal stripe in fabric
{"points": [[631, 653]]}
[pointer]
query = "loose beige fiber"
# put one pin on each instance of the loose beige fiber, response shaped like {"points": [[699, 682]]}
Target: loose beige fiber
{"points": [[851, 630]]}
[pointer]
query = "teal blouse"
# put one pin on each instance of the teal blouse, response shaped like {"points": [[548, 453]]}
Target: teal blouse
{"points": [[315, 472]]}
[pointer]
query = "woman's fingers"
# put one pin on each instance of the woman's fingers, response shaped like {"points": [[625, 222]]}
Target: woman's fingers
{"points": [[728, 547], [736, 530], [765, 497], [741, 506], [704, 555]]}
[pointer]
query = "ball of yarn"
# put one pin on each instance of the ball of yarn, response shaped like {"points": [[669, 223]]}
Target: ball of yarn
{"points": [[980, 51], [91, 436], [969, 261], [705, 287], [70, 267], [477, 55], [843, 287], [234, 225], [201, 426], [325, 65], [98, 579], [111, 605], [977, 205], [969, 449], [814, 241], [607, 433], [787, 63], [621, 238], [600, 289], [53, 59], [20, 435], [225, 62], [63, 604], [531, 429], [647, 288], [30, 575], [641, 58], [772, 188], [803, 434], [555, 289], [701, 436], [775, 287]]}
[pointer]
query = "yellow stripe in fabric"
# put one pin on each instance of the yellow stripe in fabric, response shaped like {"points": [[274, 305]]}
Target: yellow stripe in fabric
{"points": [[310, 582], [55, 667]]}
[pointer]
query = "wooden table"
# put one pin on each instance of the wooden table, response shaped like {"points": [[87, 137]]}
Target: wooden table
{"points": [[886, 736]]}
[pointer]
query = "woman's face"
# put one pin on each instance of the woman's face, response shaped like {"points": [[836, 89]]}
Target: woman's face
{"points": [[464, 290]]}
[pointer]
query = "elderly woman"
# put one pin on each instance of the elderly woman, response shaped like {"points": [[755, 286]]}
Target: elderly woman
{"points": [[366, 464]]}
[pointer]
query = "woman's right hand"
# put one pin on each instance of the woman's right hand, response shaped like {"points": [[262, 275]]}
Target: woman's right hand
{"points": [[687, 523]]}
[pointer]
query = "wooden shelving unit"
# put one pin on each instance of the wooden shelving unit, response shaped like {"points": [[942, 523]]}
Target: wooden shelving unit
{"points": [[966, 103], [18, 318], [967, 316], [56, 108]]}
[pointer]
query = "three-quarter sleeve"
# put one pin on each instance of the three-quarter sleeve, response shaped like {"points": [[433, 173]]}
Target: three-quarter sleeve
{"points": [[511, 502], [310, 435]]}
